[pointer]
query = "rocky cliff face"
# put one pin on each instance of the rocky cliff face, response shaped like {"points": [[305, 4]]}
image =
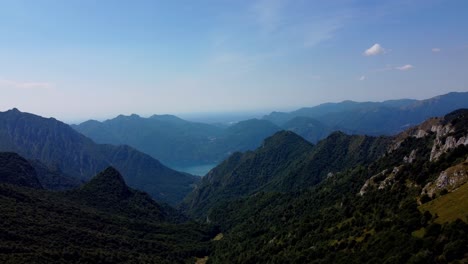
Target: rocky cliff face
{"points": [[449, 179], [423, 146]]}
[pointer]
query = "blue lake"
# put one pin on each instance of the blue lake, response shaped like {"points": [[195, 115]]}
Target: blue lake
{"points": [[199, 170]]}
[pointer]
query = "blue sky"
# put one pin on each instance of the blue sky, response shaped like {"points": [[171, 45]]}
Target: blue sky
{"points": [[81, 59]]}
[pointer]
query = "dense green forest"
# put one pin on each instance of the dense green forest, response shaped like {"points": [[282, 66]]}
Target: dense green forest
{"points": [[359, 214], [102, 222]]}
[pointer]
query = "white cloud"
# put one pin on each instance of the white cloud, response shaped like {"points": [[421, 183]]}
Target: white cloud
{"points": [[376, 49], [362, 78], [25, 85], [406, 67], [435, 49]]}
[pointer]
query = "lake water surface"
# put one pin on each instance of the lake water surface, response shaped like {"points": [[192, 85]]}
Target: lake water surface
{"points": [[199, 170]]}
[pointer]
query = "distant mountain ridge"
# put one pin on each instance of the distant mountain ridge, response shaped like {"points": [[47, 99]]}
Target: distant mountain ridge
{"points": [[376, 118], [57, 144], [178, 142]]}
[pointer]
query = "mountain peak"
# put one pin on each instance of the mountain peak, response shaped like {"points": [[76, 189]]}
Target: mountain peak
{"points": [[108, 185], [16, 170], [284, 137]]}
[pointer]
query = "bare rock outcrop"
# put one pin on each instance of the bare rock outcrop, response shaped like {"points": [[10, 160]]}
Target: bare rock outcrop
{"points": [[449, 179]]}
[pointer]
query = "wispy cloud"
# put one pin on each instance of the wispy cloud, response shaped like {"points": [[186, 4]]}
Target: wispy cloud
{"points": [[284, 20], [319, 31], [25, 85], [406, 67], [436, 49], [268, 13], [389, 67], [376, 49], [362, 78]]}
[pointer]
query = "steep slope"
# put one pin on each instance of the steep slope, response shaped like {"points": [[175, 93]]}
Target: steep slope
{"points": [[374, 118], [56, 144], [244, 174], [102, 222], [52, 178], [363, 214], [285, 162], [16, 170]]}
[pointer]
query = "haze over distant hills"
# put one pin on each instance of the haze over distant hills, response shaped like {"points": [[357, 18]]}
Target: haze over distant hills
{"points": [[178, 142], [376, 118]]}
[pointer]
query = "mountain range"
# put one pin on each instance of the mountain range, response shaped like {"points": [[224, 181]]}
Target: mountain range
{"points": [[178, 143], [361, 199], [57, 145], [376, 118], [346, 199]]}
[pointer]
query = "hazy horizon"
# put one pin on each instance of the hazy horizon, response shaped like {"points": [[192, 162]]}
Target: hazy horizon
{"points": [[80, 60], [209, 117]]}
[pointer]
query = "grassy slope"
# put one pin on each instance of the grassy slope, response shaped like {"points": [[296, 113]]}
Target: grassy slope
{"points": [[449, 207]]}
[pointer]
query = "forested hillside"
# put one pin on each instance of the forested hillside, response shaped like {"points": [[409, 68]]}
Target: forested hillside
{"points": [[384, 212]]}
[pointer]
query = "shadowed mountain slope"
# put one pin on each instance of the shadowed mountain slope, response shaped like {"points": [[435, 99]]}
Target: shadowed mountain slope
{"points": [[56, 144]]}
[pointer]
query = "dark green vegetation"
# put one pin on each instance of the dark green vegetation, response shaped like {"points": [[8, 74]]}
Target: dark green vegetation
{"points": [[285, 162], [365, 212], [347, 199], [16, 170], [375, 118], [57, 145], [53, 178], [178, 142], [102, 222]]}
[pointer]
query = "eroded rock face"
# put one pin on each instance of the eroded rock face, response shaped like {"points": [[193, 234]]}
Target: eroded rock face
{"points": [[411, 157], [380, 181], [450, 179], [440, 147], [420, 134]]}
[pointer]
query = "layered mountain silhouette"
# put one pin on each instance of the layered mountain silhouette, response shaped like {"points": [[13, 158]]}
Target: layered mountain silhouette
{"points": [[56, 144], [375, 118], [178, 142]]}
